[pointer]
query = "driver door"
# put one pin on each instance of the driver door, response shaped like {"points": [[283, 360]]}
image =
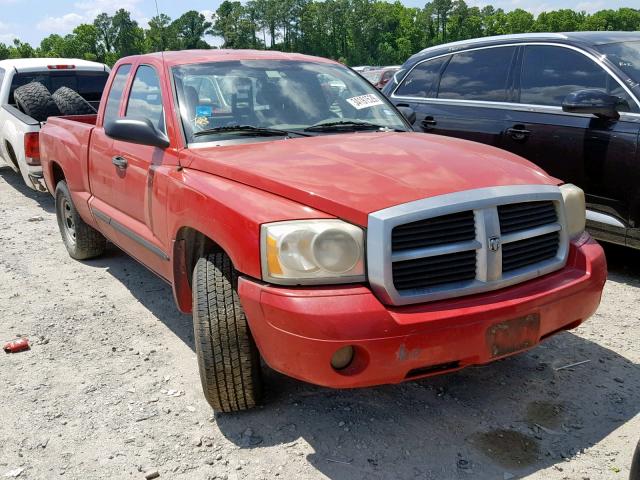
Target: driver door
{"points": [[129, 189]]}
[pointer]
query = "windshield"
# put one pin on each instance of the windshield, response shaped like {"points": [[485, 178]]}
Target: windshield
{"points": [[625, 56], [275, 94]]}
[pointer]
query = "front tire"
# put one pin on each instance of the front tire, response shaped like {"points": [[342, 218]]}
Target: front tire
{"points": [[228, 358], [82, 240]]}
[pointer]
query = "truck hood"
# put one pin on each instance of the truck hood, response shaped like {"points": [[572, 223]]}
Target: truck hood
{"points": [[352, 175]]}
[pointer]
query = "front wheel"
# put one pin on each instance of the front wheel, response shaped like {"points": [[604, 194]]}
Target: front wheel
{"points": [[82, 240], [228, 358]]}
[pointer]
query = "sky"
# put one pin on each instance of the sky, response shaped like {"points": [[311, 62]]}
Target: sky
{"points": [[32, 20]]}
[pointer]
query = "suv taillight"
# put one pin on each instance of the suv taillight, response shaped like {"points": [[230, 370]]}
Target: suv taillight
{"points": [[32, 148]]}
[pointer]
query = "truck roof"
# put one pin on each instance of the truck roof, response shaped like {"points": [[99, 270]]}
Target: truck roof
{"points": [[185, 57], [30, 64]]}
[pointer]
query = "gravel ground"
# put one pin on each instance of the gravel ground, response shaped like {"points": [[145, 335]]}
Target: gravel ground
{"points": [[110, 388]]}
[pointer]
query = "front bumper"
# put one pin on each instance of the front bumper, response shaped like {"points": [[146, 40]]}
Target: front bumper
{"points": [[297, 330]]}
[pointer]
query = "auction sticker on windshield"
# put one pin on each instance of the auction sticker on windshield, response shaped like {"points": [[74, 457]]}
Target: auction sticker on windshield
{"points": [[364, 101]]}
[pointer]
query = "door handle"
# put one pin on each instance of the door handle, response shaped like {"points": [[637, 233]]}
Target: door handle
{"points": [[120, 162], [428, 123], [518, 132]]}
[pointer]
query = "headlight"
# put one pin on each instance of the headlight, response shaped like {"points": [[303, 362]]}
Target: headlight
{"points": [[312, 252], [575, 210]]}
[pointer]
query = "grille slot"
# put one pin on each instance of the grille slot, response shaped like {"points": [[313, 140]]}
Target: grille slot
{"points": [[437, 270], [529, 251], [456, 227], [516, 217]]}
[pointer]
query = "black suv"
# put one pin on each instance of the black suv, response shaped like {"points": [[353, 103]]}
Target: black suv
{"points": [[569, 102]]}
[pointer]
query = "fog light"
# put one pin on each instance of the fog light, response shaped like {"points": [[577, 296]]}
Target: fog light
{"points": [[342, 358]]}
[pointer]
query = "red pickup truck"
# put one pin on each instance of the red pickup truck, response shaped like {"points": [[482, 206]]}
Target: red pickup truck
{"points": [[301, 221]]}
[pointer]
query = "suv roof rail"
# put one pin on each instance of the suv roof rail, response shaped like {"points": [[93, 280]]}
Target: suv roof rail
{"points": [[514, 36]]}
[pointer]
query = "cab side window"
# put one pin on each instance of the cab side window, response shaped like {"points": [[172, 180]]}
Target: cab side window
{"points": [[115, 94], [478, 75], [550, 73], [421, 80], [145, 99]]}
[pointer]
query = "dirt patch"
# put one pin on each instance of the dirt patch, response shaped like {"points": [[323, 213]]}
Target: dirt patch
{"points": [[546, 414], [508, 448]]}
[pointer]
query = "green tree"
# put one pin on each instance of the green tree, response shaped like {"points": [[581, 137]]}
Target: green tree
{"points": [[21, 50], [129, 37], [518, 21], [190, 29], [161, 34], [232, 24], [563, 20]]}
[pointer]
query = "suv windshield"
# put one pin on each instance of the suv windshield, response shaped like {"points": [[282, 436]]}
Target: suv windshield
{"points": [[290, 96], [625, 56]]}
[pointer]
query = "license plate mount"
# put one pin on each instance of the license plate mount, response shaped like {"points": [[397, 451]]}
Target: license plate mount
{"points": [[513, 335]]}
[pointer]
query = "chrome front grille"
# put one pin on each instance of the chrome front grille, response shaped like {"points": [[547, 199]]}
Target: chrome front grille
{"points": [[530, 251], [465, 242], [456, 227], [522, 216], [429, 271]]}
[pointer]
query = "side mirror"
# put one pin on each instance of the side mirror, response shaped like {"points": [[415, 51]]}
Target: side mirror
{"points": [[408, 113], [594, 102], [141, 132]]}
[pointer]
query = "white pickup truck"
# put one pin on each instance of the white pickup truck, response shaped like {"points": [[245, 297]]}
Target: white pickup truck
{"points": [[46, 87]]}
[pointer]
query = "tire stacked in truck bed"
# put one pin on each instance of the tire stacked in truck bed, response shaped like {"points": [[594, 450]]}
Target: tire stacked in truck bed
{"points": [[70, 102], [35, 100]]}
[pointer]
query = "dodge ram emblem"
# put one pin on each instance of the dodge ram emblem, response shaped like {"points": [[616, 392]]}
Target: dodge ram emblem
{"points": [[494, 244]]}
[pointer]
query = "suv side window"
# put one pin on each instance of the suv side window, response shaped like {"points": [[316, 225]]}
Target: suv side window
{"points": [[420, 82], [550, 73], [145, 99], [115, 94], [478, 75]]}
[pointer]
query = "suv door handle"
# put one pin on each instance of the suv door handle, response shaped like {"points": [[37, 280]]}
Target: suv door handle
{"points": [[518, 132], [120, 162], [428, 123]]}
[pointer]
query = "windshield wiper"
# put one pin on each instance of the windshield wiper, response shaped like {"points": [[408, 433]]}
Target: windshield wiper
{"points": [[261, 131], [346, 125]]}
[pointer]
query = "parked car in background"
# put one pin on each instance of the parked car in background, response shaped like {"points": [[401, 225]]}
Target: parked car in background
{"points": [[569, 102], [364, 68], [379, 78], [31, 90], [309, 225]]}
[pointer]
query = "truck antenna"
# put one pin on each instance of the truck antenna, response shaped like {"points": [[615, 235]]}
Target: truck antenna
{"points": [[158, 14]]}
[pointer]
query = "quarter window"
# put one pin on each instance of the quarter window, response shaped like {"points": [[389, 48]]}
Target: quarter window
{"points": [[550, 73], [115, 94], [421, 80], [478, 75], [145, 99]]}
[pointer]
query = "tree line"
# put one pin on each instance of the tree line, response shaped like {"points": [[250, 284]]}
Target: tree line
{"points": [[355, 32]]}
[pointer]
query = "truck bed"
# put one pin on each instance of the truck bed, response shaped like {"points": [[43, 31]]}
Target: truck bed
{"points": [[65, 141]]}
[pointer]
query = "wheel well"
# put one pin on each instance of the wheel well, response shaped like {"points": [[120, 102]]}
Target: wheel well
{"points": [[57, 174], [189, 246], [12, 154]]}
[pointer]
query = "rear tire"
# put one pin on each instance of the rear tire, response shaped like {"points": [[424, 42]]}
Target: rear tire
{"points": [[82, 240], [36, 101], [70, 102], [228, 358]]}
